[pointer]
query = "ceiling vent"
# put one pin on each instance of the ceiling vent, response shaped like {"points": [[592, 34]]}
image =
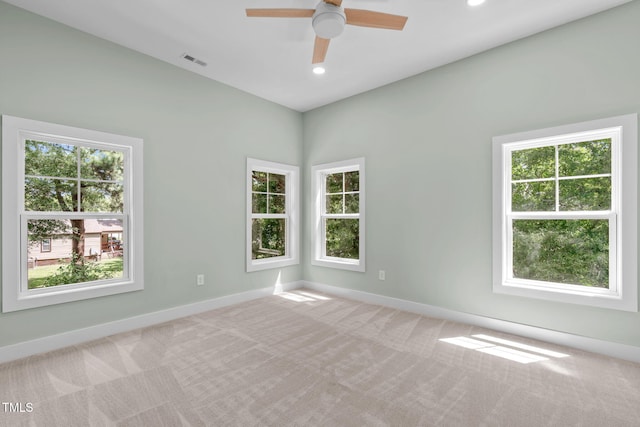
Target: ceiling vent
{"points": [[194, 60]]}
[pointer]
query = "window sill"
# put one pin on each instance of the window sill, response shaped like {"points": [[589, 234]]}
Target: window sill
{"points": [[26, 300], [269, 263], [602, 299], [340, 263]]}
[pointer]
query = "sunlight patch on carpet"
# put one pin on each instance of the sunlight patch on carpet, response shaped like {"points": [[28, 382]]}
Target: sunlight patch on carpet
{"points": [[302, 296], [509, 350]]}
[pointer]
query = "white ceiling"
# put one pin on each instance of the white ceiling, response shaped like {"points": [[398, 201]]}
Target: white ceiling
{"points": [[271, 57]]}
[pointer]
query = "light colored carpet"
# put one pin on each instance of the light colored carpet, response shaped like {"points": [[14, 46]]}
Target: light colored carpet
{"points": [[307, 359]]}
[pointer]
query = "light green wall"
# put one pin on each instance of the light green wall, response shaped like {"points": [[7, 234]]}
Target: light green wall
{"points": [[426, 140], [197, 135], [427, 144]]}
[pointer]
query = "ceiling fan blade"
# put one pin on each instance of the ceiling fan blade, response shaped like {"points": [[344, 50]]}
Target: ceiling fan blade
{"points": [[320, 50], [280, 13], [334, 2], [369, 18]]}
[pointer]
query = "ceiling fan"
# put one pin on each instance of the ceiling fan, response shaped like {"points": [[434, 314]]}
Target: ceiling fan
{"points": [[328, 20]]}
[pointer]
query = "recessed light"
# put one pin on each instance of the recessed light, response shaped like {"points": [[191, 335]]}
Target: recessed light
{"points": [[475, 2], [318, 69]]}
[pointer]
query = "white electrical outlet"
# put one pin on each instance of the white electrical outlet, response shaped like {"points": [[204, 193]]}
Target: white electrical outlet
{"points": [[200, 279], [381, 275]]}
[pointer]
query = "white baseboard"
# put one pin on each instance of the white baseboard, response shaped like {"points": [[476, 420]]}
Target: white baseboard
{"points": [[621, 351], [54, 342]]}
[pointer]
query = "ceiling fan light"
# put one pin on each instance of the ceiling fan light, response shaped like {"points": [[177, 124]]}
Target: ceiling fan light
{"points": [[328, 21], [475, 2], [318, 69]]}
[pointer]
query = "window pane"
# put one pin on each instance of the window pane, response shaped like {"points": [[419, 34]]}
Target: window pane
{"points": [[277, 183], [334, 204], [352, 181], [79, 251], [334, 183], [276, 203], [533, 163], [48, 159], [342, 238], [258, 203], [50, 195], [563, 251], [533, 196], [103, 165], [352, 203], [267, 238], [101, 197], [587, 194], [259, 181], [585, 158]]}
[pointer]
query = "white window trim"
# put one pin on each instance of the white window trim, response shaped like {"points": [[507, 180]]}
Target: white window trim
{"points": [[292, 209], [623, 216], [318, 184], [14, 132]]}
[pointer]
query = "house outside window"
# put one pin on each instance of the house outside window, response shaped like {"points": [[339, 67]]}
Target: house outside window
{"points": [[272, 215], [63, 185], [338, 215], [565, 213]]}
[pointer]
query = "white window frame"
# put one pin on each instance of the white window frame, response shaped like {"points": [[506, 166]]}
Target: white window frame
{"points": [[622, 293], [15, 294], [318, 185], [291, 215]]}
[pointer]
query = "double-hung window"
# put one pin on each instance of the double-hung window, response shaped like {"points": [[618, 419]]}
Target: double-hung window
{"points": [[272, 215], [338, 237], [65, 190], [565, 215]]}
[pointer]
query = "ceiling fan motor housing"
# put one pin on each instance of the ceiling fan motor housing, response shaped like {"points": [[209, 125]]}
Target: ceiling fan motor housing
{"points": [[328, 20]]}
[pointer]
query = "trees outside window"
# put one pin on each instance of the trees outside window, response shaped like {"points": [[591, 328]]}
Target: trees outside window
{"points": [[58, 178], [565, 222], [338, 238], [272, 215], [63, 177]]}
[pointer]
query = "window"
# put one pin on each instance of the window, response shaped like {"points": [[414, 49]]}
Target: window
{"points": [[45, 245], [565, 213], [61, 187], [272, 215], [338, 238]]}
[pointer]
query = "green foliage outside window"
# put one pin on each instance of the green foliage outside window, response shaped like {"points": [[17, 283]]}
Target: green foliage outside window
{"points": [[342, 197], [562, 251], [342, 238], [268, 196], [268, 238], [571, 178], [52, 178]]}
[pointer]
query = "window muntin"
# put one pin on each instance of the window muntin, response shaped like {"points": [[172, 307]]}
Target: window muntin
{"points": [[562, 208], [59, 179], [339, 215], [272, 211]]}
